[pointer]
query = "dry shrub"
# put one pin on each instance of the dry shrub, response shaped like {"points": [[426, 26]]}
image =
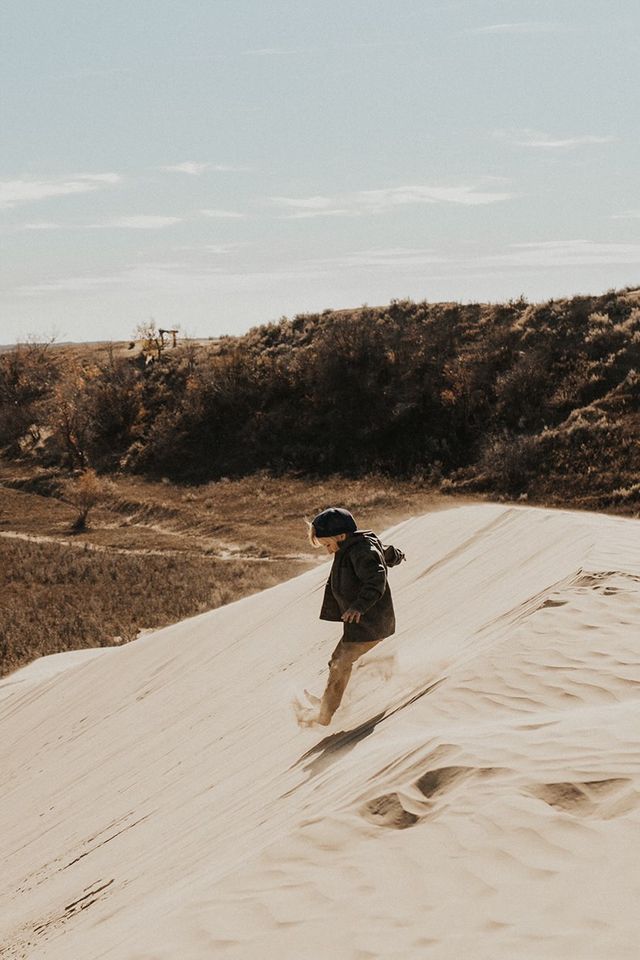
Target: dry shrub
{"points": [[84, 492], [28, 374], [509, 463], [406, 390]]}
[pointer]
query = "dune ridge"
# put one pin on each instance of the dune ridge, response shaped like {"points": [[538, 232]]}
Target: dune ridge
{"points": [[477, 794]]}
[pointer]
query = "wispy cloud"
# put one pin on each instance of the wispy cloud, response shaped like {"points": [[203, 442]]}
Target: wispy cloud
{"points": [[396, 257], [219, 249], [13, 192], [139, 222], [194, 168], [365, 202], [563, 253], [174, 277], [179, 276], [401, 196], [69, 285], [129, 277], [42, 225], [191, 167], [541, 254], [626, 215], [132, 222], [545, 141], [222, 249], [223, 214], [304, 207], [521, 27]]}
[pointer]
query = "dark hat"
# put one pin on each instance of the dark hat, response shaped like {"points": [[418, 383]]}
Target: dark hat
{"points": [[334, 521]]}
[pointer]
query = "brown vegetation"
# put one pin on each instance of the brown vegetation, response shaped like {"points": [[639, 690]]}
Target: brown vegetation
{"points": [[53, 598], [84, 491], [514, 399]]}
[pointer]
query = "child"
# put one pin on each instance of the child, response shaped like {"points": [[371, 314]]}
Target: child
{"points": [[357, 593]]}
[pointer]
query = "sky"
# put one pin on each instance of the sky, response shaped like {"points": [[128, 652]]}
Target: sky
{"points": [[217, 164]]}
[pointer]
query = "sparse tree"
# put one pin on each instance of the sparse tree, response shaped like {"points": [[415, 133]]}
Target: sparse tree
{"points": [[68, 417], [28, 373], [153, 342], [84, 492]]}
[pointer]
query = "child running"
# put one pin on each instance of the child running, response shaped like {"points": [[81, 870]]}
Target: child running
{"points": [[357, 593]]}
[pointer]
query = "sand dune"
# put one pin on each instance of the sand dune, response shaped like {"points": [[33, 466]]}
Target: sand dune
{"points": [[476, 796]]}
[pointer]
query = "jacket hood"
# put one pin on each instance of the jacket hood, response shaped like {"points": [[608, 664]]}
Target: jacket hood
{"points": [[357, 535]]}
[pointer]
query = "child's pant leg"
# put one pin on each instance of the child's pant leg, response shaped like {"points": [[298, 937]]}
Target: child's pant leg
{"points": [[342, 660]]}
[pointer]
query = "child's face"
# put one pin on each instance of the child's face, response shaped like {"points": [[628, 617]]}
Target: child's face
{"points": [[331, 544]]}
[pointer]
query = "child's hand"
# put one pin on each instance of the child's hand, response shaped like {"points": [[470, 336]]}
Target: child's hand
{"points": [[351, 616]]}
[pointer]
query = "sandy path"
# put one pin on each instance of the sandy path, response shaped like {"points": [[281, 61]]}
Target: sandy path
{"points": [[206, 553]]}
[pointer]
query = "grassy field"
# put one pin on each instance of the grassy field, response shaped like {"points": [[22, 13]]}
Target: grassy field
{"points": [[156, 553]]}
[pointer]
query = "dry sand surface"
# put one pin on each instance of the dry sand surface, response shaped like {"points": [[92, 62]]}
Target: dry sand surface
{"points": [[476, 796]]}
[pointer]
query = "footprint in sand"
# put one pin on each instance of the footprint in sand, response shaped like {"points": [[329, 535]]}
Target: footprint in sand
{"points": [[387, 811], [599, 799]]}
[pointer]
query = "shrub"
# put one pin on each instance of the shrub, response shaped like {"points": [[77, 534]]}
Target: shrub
{"points": [[84, 492], [509, 463], [28, 374], [397, 389]]}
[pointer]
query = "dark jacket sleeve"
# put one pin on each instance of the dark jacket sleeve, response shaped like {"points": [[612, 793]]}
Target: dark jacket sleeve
{"points": [[371, 572]]}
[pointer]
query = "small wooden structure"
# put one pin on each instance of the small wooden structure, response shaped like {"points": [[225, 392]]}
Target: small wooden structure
{"points": [[174, 334]]}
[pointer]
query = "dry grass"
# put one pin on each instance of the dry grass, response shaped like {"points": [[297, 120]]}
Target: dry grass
{"points": [[264, 515], [156, 553], [53, 598]]}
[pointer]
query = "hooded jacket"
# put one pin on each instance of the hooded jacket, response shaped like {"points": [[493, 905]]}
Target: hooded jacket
{"points": [[358, 581]]}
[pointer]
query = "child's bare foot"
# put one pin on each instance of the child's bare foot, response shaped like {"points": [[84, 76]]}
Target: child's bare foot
{"points": [[324, 717], [310, 715]]}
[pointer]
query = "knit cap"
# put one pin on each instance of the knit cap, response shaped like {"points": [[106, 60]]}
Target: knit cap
{"points": [[334, 521]]}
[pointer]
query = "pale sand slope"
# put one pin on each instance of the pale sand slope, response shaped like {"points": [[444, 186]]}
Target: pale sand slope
{"points": [[477, 796], [46, 667]]}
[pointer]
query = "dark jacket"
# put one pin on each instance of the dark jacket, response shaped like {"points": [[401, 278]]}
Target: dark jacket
{"points": [[358, 581]]}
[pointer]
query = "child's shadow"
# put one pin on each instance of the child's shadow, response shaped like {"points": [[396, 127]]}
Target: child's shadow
{"points": [[327, 749]]}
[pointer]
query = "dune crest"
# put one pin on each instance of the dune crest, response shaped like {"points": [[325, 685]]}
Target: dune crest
{"points": [[477, 794]]}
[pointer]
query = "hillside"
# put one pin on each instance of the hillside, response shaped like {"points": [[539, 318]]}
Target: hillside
{"points": [[518, 400], [476, 796]]}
